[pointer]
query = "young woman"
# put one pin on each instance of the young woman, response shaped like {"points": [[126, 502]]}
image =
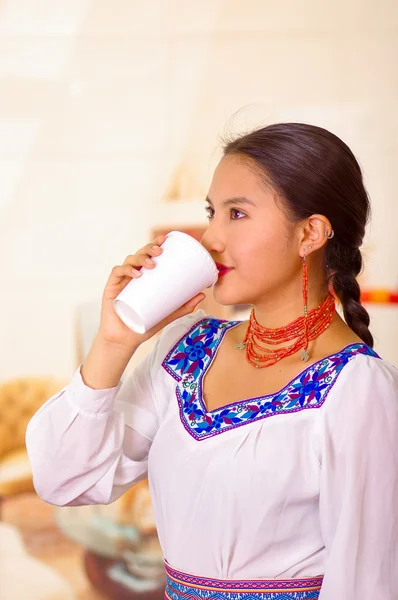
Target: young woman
{"points": [[270, 445]]}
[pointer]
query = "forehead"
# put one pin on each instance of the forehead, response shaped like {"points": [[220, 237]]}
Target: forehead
{"points": [[236, 176]]}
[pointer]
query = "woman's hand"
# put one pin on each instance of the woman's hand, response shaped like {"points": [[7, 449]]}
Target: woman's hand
{"points": [[112, 329]]}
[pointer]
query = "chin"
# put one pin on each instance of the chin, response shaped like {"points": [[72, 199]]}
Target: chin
{"points": [[230, 297]]}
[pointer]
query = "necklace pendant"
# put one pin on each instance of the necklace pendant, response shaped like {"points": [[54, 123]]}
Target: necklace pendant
{"points": [[240, 346], [305, 355]]}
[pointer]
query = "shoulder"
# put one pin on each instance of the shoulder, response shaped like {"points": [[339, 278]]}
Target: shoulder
{"points": [[367, 369], [361, 409], [190, 345], [367, 383], [183, 331], [179, 329]]}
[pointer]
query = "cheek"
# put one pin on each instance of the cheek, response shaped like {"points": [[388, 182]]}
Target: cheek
{"points": [[258, 250], [264, 256]]}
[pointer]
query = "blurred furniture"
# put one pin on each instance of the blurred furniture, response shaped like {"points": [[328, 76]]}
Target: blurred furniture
{"points": [[122, 558], [20, 398], [20, 572], [99, 571]]}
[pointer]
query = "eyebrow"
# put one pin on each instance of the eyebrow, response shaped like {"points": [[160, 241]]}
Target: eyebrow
{"points": [[237, 200]]}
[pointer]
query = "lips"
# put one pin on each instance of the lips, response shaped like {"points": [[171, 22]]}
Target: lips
{"points": [[223, 269]]}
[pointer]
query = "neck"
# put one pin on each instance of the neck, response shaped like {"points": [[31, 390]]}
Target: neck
{"points": [[286, 306]]}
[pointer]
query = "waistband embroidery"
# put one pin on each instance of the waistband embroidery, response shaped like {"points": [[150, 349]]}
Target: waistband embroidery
{"points": [[183, 586]]}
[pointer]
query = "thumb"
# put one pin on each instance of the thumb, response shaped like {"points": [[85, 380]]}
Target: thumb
{"points": [[193, 303]]}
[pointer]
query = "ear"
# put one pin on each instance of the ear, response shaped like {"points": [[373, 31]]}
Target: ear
{"points": [[315, 232]]}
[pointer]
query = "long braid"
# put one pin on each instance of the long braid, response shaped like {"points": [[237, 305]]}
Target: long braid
{"points": [[345, 266]]}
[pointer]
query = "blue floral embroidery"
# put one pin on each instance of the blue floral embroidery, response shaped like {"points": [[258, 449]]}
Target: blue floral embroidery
{"points": [[190, 354], [188, 361]]}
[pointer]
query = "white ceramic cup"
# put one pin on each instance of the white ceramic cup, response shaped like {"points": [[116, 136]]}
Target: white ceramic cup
{"points": [[184, 269]]}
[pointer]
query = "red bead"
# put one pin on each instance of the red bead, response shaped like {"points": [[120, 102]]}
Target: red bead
{"points": [[304, 329]]}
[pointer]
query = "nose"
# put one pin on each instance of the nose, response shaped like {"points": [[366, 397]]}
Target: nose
{"points": [[212, 241]]}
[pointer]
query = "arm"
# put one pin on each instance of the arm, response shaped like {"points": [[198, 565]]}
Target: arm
{"points": [[358, 433], [80, 447]]}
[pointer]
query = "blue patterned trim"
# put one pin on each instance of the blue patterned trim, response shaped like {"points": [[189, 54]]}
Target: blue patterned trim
{"points": [[183, 586], [190, 358]]}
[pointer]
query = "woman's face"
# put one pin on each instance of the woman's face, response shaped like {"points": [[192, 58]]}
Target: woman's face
{"points": [[249, 233]]}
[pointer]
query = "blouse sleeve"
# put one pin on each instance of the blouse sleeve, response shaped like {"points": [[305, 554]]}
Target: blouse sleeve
{"points": [[89, 446], [358, 438]]}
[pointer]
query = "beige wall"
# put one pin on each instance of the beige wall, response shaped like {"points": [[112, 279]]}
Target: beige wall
{"points": [[102, 102]]}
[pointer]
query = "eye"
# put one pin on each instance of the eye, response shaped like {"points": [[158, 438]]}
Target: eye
{"points": [[210, 212], [234, 211]]}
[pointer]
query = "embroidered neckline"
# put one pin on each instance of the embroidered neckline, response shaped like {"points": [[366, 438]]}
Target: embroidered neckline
{"points": [[191, 357]]}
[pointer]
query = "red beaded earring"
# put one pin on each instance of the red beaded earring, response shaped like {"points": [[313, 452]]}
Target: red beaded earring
{"points": [[305, 355]]}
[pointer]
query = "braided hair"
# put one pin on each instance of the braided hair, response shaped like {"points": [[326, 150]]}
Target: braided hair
{"points": [[346, 288], [315, 172]]}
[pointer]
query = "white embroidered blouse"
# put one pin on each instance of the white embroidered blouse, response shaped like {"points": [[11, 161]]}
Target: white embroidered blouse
{"points": [[298, 484]]}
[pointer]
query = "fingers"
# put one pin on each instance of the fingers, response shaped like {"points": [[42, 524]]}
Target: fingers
{"points": [[120, 272], [144, 257], [133, 264], [159, 240]]}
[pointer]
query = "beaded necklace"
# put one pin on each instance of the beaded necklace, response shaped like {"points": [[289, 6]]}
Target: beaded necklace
{"points": [[305, 329]]}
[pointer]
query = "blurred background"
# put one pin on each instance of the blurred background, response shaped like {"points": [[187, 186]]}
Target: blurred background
{"points": [[110, 121]]}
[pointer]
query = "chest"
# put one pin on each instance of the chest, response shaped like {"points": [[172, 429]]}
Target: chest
{"points": [[231, 378], [218, 391]]}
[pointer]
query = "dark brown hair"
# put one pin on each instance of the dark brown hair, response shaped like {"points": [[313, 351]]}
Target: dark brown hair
{"points": [[316, 173]]}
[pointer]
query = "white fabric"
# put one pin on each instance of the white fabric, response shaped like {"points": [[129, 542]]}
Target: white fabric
{"points": [[297, 495]]}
